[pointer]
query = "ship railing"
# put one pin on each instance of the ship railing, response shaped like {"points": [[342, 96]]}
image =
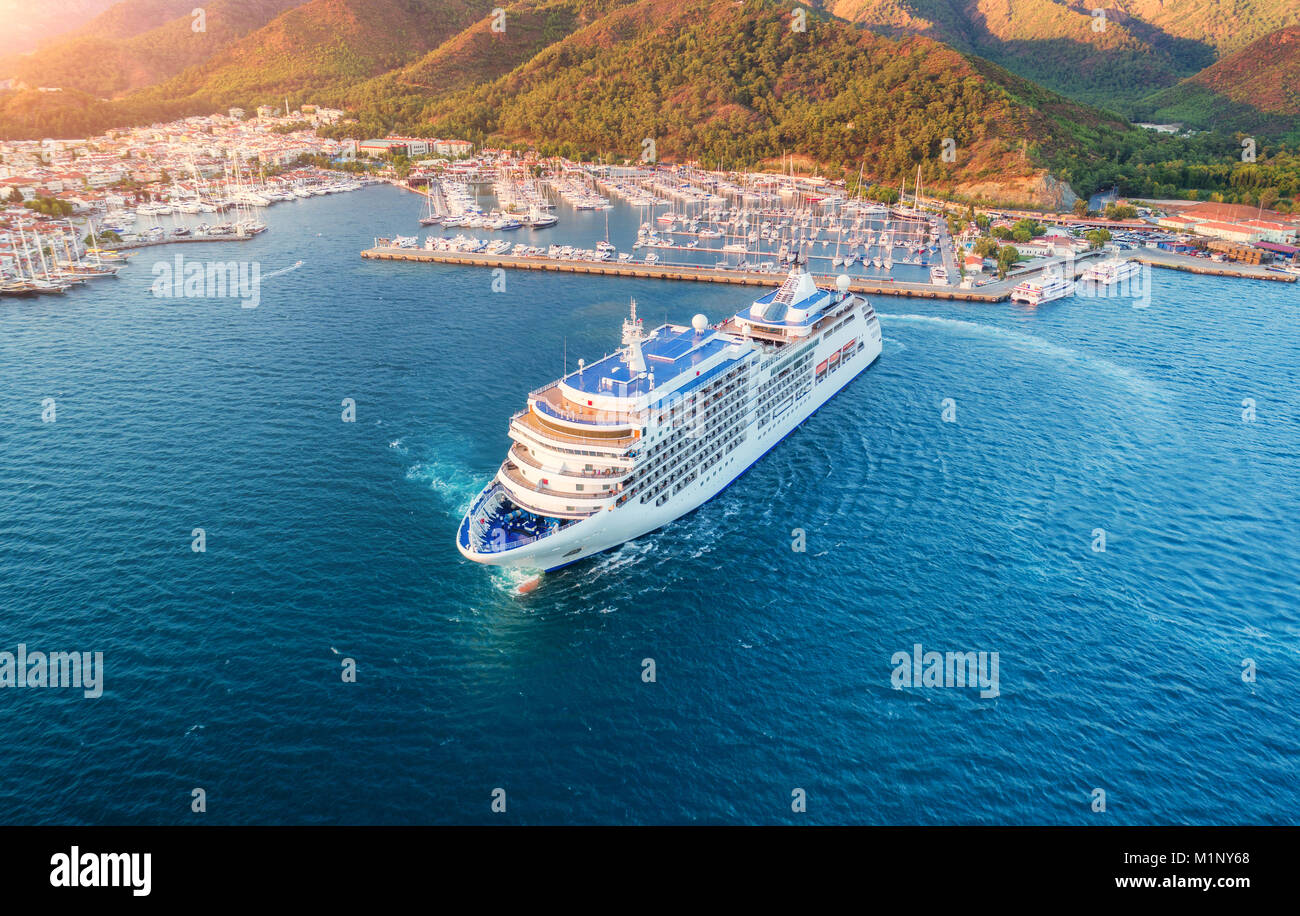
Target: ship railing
{"points": [[527, 422], [479, 533], [512, 472], [517, 453], [573, 416]]}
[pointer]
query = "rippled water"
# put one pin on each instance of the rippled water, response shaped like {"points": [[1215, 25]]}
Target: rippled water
{"points": [[328, 540]]}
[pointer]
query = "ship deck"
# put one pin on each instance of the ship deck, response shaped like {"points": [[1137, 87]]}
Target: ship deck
{"points": [[671, 351]]}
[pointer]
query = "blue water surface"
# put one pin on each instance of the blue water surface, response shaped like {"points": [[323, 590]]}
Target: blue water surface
{"points": [[1119, 670]]}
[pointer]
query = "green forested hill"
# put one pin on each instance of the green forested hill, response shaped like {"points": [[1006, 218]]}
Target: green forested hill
{"points": [[1141, 46], [1255, 90], [729, 82]]}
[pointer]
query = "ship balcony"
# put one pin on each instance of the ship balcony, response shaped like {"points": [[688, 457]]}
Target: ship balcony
{"points": [[757, 333], [538, 429], [519, 455], [545, 500], [556, 408]]}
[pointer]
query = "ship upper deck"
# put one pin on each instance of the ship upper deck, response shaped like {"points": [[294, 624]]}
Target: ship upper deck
{"points": [[670, 352], [790, 309], [786, 314]]}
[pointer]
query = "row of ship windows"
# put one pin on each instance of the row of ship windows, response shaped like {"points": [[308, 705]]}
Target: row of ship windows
{"points": [[657, 471], [792, 356], [840, 325], [717, 448], [839, 360], [770, 389], [709, 462], [680, 406]]}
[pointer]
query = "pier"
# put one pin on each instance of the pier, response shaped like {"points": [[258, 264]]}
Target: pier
{"points": [[992, 293], [996, 291], [1171, 261], [152, 243]]}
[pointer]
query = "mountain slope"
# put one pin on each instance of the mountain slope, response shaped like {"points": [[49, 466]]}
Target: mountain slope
{"points": [[25, 26], [732, 83], [477, 55], [141, 43], [320, 46], [1255, 90], [1141, 45], [723, 81]]}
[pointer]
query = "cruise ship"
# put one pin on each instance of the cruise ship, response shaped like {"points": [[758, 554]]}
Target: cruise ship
{"points": [[630, 443], [1111, 271], [1044, 289]]}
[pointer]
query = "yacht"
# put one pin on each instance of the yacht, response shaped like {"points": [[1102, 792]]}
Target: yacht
{"points": [[1047, 288], [1111, 271]]}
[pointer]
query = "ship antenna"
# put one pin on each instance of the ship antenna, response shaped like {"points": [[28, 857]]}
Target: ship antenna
{"points": [[633, 335]]}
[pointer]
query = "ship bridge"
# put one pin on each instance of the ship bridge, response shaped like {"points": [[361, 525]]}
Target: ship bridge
{"points": [[789, 312]]}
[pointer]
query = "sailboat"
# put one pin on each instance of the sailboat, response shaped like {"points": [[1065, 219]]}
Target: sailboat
{"points": [[430, 218]]}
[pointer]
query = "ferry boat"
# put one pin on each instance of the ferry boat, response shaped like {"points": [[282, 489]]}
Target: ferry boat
{"points": [[619, 448], [1043, 289], [1111, 271], [939, 275]]}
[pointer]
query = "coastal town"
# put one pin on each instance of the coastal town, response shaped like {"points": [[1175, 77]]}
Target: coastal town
{"points": [[73, 206]]}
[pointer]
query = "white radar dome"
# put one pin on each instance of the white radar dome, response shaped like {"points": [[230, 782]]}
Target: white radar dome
{"points": [[699, 322], [842, 283]]}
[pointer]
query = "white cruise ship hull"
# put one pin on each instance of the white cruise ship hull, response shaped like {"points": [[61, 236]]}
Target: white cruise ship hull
{"points": [[614, 525]]}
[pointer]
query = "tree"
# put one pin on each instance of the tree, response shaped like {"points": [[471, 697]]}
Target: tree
{"points": [[105, 235], [1033, 227], [1097, 238], [1007, 256], [882, 194], [1081, 207], [985, 247]]}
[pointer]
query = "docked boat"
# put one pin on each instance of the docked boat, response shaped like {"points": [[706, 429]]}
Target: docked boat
{"points": [[1043, 289], [1111, 271], [626, 445]]}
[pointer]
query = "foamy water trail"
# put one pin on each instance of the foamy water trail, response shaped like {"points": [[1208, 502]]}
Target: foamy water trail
{"points": [[1133, 380], [455, 484], [514, 579]]}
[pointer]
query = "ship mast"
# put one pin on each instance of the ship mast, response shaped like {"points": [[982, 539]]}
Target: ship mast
{"points": [[633, 335]]}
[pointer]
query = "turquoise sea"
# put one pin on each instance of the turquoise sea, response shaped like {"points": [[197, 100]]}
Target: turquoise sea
{"points": [[1120, 670]]}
